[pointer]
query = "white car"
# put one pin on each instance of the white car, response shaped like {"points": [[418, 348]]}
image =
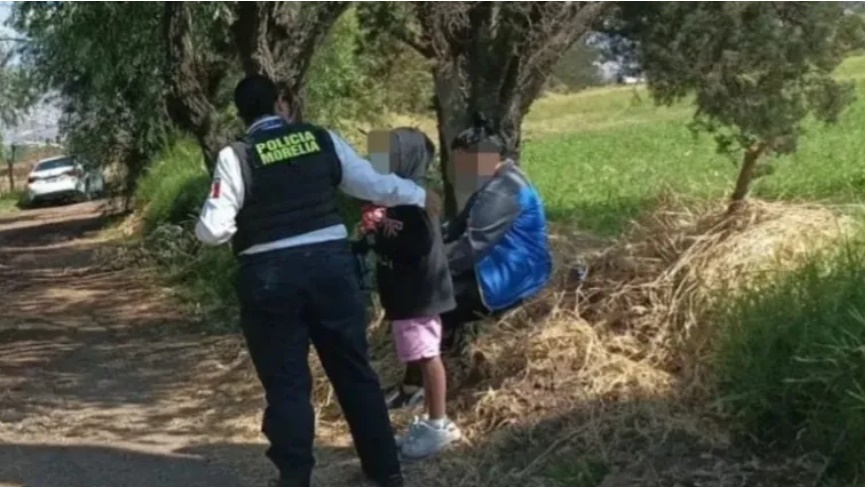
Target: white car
{"points": [[63, 178]]}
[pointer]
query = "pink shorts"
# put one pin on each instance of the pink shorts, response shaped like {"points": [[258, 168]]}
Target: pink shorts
{"points": [[417, 338]]}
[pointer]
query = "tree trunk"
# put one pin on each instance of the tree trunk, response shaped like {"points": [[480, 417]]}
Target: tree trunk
{"points": [[451, 119], [10, 162], [278, 39], [746, 175], [188, 101], [493, 58], [11, 176]]}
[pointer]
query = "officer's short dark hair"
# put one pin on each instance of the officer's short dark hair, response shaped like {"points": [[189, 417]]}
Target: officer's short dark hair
{"points": [[255, 97], [481, 137]]}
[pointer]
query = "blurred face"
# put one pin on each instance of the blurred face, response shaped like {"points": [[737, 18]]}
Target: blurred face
{"points": [[472, 170], [378, 148]]}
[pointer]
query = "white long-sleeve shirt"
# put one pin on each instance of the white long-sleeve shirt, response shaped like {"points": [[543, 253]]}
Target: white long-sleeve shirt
{"points": [[217, 225]]}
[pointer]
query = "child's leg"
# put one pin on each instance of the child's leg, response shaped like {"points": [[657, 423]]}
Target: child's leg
{"points": [[408, 392], [418, 343], [435, 387], [424, 438]]}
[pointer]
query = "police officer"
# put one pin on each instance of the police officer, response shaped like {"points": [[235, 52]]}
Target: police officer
{"points": [[274, 198]]}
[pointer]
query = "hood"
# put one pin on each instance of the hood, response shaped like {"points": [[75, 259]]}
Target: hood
{"points": [[411, 154]]}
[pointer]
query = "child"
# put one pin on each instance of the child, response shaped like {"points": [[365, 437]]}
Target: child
{"points": [[414, 287]]}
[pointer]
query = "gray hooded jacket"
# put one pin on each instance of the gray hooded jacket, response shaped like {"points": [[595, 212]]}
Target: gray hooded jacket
{"points": [[412, 272]]}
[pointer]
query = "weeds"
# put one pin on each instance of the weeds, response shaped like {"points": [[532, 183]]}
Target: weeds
{"points": [[173, 188], [791, 361], [11, 201]]}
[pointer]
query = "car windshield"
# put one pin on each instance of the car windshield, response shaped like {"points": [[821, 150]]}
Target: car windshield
{"points": [[55, 164]]}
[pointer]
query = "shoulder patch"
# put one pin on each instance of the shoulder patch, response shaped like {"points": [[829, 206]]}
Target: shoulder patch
{"points": [[215, 188]]}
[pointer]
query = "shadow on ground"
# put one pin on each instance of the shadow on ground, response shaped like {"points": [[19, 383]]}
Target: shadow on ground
{"points": [[207, 465], [72, 228], [639, 443], [84, 349]]}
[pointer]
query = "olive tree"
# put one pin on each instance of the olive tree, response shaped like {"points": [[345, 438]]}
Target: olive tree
{"points": [[486, 57], [756, 70], [204, 51]]}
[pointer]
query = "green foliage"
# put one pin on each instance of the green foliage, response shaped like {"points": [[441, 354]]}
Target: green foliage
{"points": [[111, 91], [11, 200], [168, 198], [402, 75], [757, 69], [203, 276], [336, 92], [577, 69], [791, 360], [173, 187], [16, 92], [355, 79], [599, 156]]}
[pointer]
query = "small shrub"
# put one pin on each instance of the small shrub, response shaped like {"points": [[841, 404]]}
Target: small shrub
{"points": [[203, 276], [791, 360], [169, 197], [173, 187], [12, 200]]}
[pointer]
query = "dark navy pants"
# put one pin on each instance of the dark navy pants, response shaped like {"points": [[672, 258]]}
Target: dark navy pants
{"points": [[288, 299]]}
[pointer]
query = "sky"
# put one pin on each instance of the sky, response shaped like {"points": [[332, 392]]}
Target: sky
{"points": [[5, 8], [41, 122]]}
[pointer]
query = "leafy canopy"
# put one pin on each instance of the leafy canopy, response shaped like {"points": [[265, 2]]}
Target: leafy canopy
{"points": [[756, 69]]}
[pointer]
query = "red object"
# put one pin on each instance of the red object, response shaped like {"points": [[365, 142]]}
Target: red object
{"points": [[371, 217], [215, 189]]}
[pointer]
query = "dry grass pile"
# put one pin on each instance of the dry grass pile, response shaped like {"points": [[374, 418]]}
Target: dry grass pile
{"points": [[603, 373], [652, 294]]}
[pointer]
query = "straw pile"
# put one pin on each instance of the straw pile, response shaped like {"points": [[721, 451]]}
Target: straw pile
{"points": [[601, 368], [652, 294]]}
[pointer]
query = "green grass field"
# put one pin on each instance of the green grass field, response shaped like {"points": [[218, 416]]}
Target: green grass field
{"points": [[598, 156]]}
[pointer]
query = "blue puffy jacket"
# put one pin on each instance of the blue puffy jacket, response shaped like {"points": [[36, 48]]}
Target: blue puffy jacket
{"points": [[501, 234]]}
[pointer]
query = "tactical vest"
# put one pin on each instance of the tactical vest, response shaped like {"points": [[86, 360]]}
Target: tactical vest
{"points": [[290, 173]]}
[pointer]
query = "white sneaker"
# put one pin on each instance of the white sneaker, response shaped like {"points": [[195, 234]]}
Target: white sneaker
{"points": [[424, 439], [412, 430]]}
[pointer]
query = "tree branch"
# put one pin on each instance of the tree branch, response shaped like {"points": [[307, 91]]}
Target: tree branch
{"points": [[187, 100], [279, 40]]}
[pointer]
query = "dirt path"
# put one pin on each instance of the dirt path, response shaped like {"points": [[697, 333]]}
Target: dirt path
{"points": [[103, 382]]}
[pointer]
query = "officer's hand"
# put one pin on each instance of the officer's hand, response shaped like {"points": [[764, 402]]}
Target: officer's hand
{"points": [[433, 203]]}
